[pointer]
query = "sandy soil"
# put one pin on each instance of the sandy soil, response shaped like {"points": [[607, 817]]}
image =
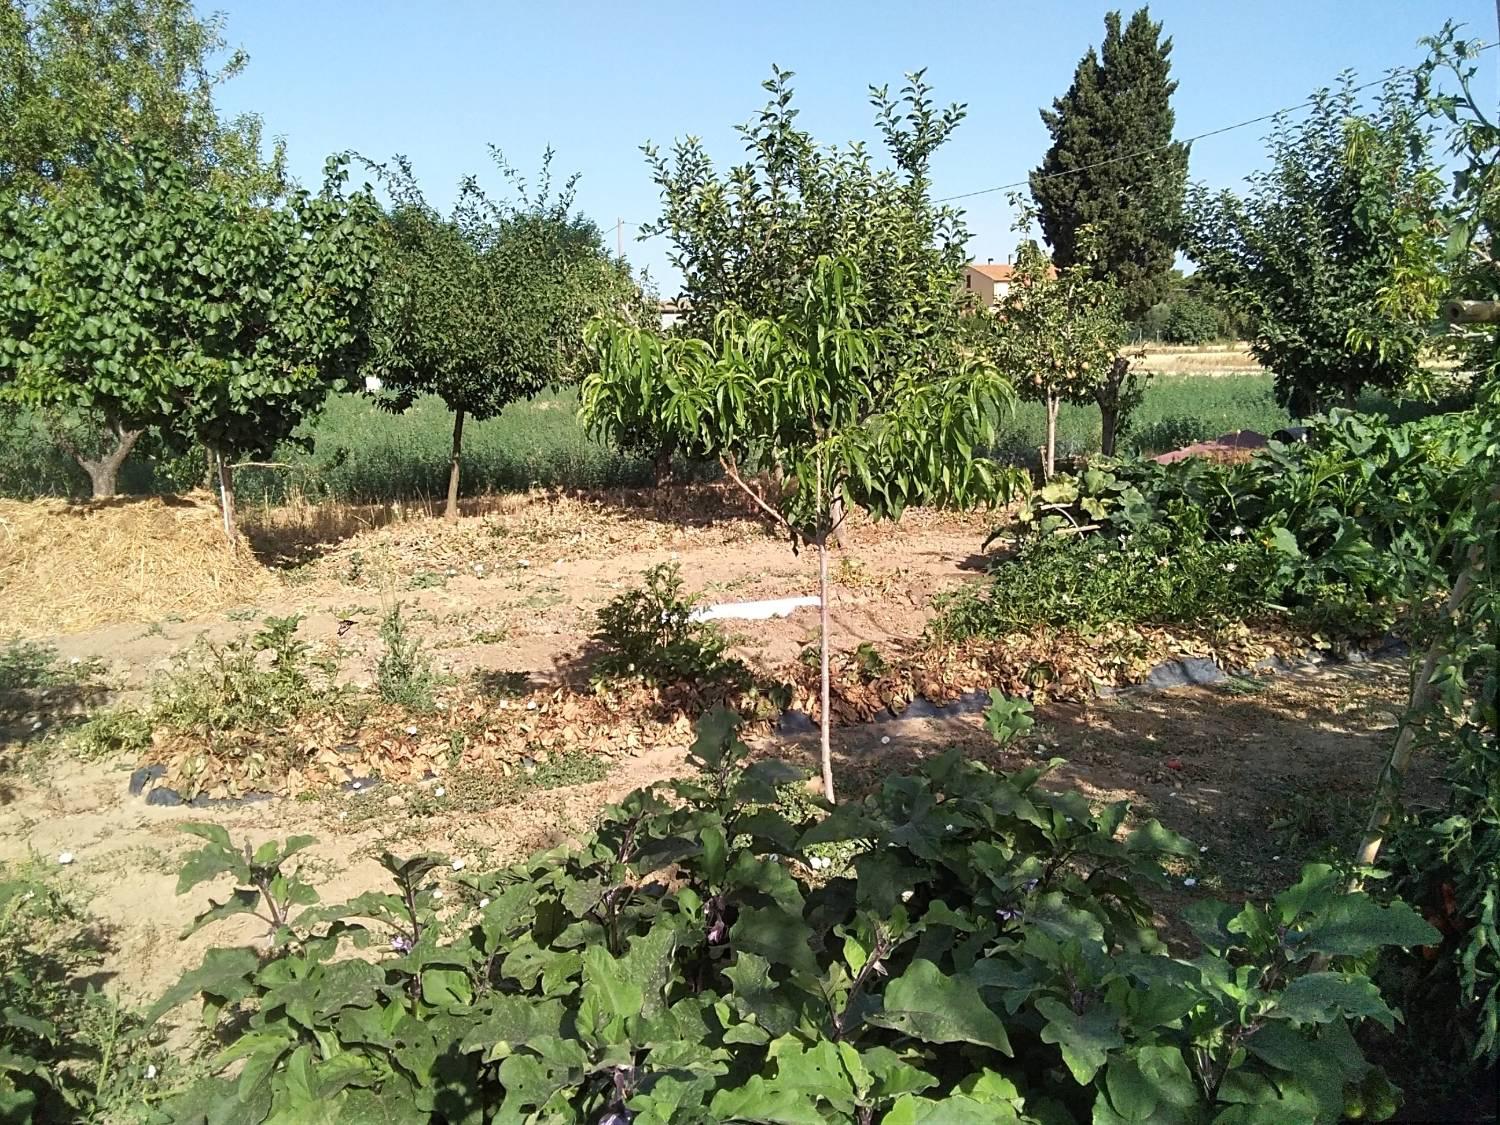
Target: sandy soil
{"points": [[1262, 774]]}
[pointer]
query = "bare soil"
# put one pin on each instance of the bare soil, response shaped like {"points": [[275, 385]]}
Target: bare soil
{"points": [[1262, 774]]}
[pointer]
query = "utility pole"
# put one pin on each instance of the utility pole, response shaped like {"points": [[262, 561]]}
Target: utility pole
{"points": [[620, 223]]}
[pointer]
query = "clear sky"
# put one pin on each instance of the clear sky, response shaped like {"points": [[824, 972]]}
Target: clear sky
{"points": [[439, 80]]}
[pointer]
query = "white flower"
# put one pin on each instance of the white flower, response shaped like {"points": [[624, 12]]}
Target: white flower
{"points": [[65, 858], [483, 903], [885, 740], [151, 1071], [411, 730], [906, 896], [950, 828], [1190, 882], [1275, 857], [1236, 531], [1229, 568], [1101, 557], [457, 865], [1203, 850], [1161, 561]]}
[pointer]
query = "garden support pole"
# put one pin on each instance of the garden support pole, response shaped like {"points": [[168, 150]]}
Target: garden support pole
{"points": [[226, 497], [827, 718]]}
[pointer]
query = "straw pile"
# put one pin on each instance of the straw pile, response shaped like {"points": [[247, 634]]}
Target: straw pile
{"points": [[66, 567]]}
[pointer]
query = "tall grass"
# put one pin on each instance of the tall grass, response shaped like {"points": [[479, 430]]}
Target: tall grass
{"points": [[357, 453]]}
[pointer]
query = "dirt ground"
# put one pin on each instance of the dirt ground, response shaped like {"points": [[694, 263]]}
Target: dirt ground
{"points": [[1262, 774]]}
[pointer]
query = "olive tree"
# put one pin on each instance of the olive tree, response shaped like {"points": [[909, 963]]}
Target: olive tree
{"points": [[1310, 251], [811, 393], [486, 306], [1058, 335], [161, 301]]}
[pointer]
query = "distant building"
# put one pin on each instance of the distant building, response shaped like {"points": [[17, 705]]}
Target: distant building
{"points": [[672, 312], [991, 281]]}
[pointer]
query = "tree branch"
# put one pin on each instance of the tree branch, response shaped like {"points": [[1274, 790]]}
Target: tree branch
{"points": [[727, 463]]}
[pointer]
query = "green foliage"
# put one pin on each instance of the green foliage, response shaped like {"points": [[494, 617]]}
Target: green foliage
{"points": [[1058, 334], [1113, 165], [1007, 719], [1185, 319], [264, 889], [82, 72], [486, 307], [1310, 251], [153, 300], [404, 675], [39, 692], [987, 952], [648, 634], [1341, 531], [751, 238], [67, 1053]]}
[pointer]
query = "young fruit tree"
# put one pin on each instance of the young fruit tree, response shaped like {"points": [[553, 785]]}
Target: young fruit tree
{"points": [[156, 300], [1058, 335], [486, 306], [808, 393], [1312, 250], [750, 235]]}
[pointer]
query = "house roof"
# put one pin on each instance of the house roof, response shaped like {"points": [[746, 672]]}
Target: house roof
{"points": [[1003, 271], [995, 271]]}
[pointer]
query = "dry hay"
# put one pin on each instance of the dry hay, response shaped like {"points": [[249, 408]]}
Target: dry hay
{"points": [[546, 527], [66, 567]]}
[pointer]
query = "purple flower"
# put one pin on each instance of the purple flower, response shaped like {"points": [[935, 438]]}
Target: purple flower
{"points": [[1007, 915], [616, 1117], [716, 932], [401, 944], [1030, 885]]}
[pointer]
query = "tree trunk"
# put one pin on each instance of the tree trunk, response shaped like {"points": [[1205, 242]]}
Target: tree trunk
{"points": [[1109, 427], [103, 471], [826, 716], [450, 513], [661, 466], [1351, 395], [1049, 450], [226, 499]]}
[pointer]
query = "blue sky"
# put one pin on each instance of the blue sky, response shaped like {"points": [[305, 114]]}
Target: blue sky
{"points": [[438, 81]]}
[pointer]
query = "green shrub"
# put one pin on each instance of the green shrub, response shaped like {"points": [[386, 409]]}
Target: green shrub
{"points": [[404, 675], [1185, 320], [648, 634], [985, 954], [67, 1053], [40, 693]]}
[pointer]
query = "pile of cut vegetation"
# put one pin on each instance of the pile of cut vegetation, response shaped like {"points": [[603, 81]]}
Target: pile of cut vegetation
{"points": [[68, 566]]}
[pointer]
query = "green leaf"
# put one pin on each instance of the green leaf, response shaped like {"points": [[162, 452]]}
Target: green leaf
{"points": [[930, 1005], [224, 974], [1356, 924], [446, 988], [1324, 997], [1085, 1040]]}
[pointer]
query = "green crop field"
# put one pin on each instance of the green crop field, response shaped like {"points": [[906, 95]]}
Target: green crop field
{"points": [[359, 453]]}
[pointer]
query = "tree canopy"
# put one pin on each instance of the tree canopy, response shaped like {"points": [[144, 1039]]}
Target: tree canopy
{"points": [[75, 74], [1113, 165], [155, 300], [1058, 334], [486, 306], [752, 236], [1312, 248]]}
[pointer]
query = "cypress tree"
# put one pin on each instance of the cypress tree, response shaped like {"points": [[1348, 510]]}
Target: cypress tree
{"points": [[1116, 121]]}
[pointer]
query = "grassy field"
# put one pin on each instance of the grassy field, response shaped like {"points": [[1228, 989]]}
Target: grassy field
{"points": [[360, 454]]}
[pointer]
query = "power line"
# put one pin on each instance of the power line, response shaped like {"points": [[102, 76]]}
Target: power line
{"points": [[1185, 140], [1145, 151]]}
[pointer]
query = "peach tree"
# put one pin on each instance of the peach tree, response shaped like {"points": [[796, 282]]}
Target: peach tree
{"points": [[807, 394], [155, 300]]}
